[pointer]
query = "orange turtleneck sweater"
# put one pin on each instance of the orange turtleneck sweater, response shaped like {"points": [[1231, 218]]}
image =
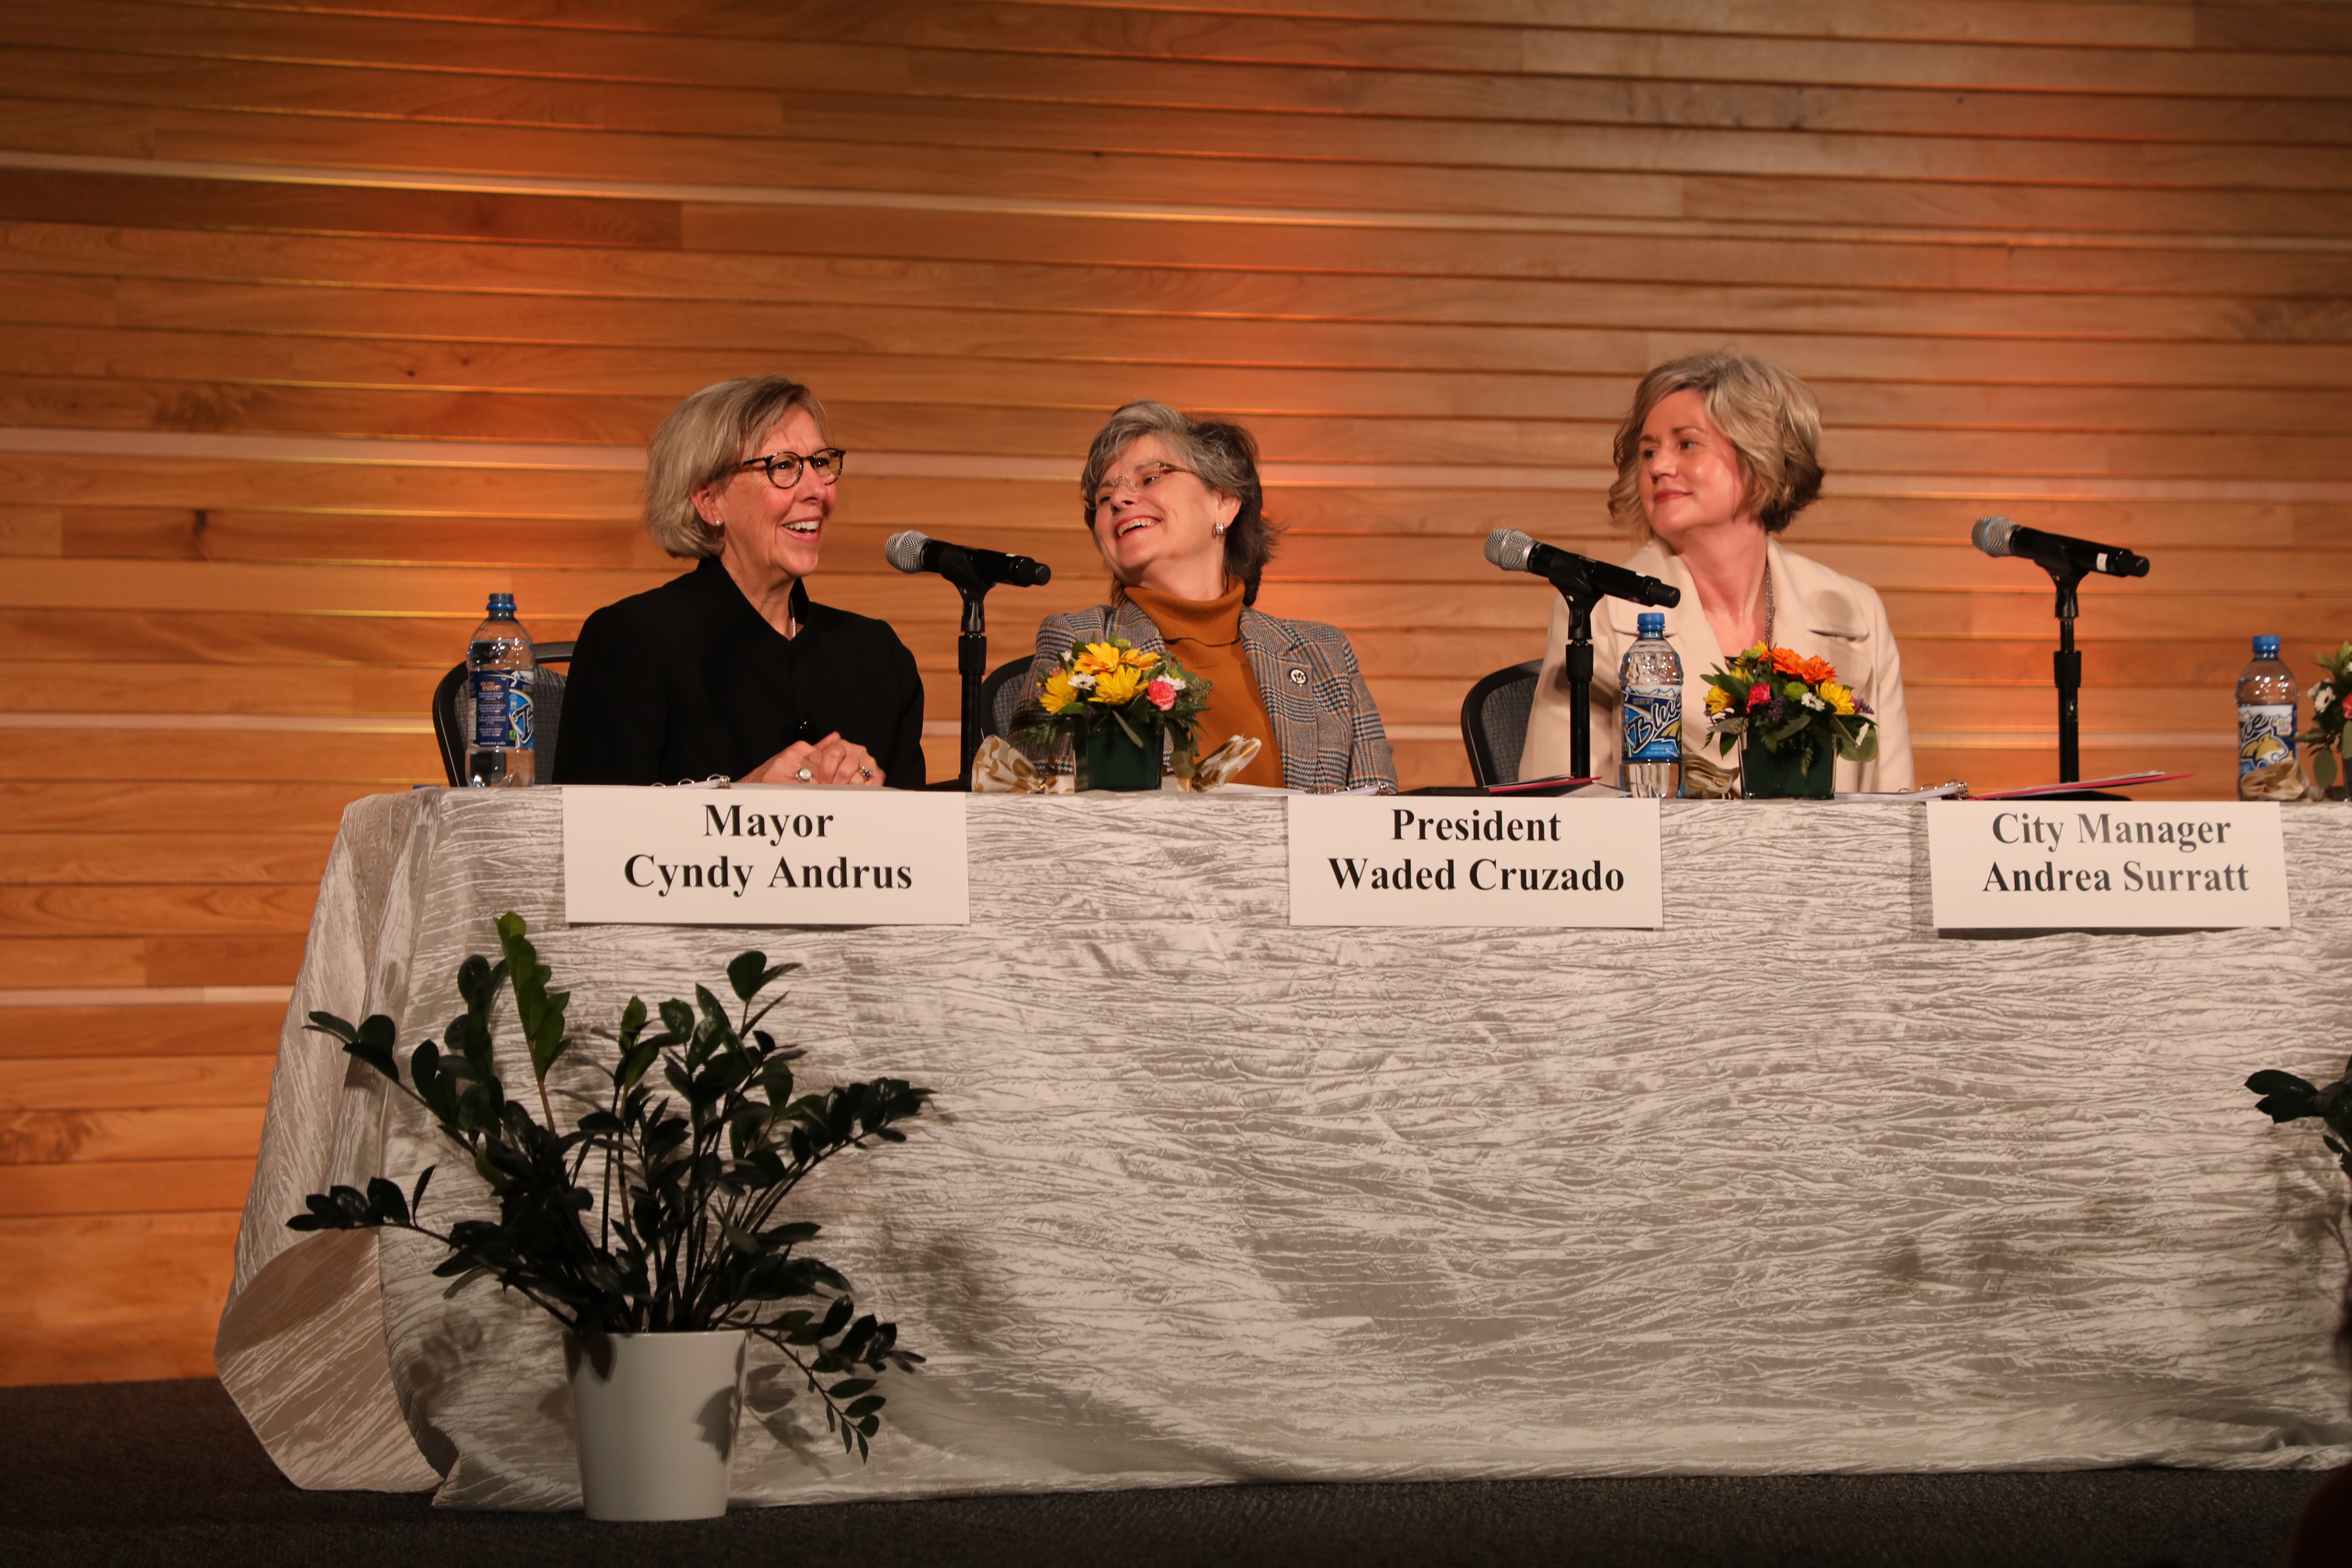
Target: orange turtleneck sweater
{"points": [[1205, 637]]}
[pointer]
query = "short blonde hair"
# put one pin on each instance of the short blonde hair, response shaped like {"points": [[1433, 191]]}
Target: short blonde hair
{"points": [[1771, 418], [701, 442]]}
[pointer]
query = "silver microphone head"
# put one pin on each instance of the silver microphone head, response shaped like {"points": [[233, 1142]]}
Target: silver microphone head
{"points": [[1509, 549], [1992, 534], [904, 551]]}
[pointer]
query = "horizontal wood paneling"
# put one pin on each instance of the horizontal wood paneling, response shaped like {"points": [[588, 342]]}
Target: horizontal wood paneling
{"points": [[2086, 264], [146, 1032], [208, 1186], [91, 1083], [114, 1296]]}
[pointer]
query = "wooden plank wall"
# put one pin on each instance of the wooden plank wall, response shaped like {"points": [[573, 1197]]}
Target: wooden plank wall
{"points": [[322, 320]]}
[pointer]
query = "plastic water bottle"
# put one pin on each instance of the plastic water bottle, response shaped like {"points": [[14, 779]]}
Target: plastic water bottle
{"points": [[500, 671], [1652, 680], [2266, 727]]}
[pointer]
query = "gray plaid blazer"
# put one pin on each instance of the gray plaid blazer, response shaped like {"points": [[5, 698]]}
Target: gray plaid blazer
{"points": [[1325, 724]]}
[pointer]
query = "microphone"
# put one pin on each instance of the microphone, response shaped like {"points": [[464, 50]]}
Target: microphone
{"points": [[2055, 552], [1514, 552], [961, 564]]}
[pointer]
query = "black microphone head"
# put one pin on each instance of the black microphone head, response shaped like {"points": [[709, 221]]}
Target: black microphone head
{"points": [[1992, 534], [1509, 549], [904, 551]]}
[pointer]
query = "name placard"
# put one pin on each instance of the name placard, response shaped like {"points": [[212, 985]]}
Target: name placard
{"points": [[764, 856], [1466, 861], [2071, 865]]}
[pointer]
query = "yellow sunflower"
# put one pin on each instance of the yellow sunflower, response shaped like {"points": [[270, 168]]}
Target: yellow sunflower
{"points": [[1097, 658], [1118, 688]]}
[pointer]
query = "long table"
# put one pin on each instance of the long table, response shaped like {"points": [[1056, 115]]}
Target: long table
{"points": [[1795, 1184]]}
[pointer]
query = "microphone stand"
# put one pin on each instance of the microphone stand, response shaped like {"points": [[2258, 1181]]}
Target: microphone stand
{"points": [[971, 660], [1578, 657], [2066, 668]]}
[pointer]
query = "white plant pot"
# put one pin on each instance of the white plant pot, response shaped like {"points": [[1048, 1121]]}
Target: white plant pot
{"points": [[655, 1416]]}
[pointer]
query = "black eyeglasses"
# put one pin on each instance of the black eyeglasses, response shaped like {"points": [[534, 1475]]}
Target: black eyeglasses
{"points": [[785, 467]]}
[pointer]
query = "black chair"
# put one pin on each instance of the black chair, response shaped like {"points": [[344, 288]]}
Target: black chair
{"points": [[1495, 722], [453, 713], [1003, 696]]}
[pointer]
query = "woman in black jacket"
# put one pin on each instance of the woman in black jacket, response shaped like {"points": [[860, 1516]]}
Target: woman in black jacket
{"points": [[732, 670]]}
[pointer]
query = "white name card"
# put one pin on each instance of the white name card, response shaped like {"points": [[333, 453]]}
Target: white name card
{"points": [[1463, 860], [764, 856], [2071, 865]]}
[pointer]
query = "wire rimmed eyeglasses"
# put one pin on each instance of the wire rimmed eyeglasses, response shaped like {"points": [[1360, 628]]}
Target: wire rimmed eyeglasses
{"points": [[783, 468], [1142, 479]]}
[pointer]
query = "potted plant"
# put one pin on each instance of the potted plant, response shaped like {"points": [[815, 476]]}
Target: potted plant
{"points": [[2325, 736], [654, 1229], [1796, 718], [1115, 702], [2326, 1520]]}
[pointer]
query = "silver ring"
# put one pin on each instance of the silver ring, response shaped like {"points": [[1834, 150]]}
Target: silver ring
{"points": [[805, 776], [866, 773]]}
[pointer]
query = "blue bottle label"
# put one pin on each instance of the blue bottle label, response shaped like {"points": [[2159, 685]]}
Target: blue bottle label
{"points": [[1653, 723], [2265, 734], [502, 710]]}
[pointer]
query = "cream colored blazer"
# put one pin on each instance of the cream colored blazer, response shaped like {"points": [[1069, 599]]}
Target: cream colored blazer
{"points": [[1816, 612]]}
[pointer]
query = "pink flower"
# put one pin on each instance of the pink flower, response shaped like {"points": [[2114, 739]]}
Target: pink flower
{"points": [[1759, 694], [1162, 695]]}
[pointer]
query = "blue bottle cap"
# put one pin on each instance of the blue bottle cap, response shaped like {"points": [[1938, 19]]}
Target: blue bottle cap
{"points": [[2266, 647], [501, 602], [1652, 623]]}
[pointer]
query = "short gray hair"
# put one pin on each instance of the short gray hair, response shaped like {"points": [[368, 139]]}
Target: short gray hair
{"points": [[1223, 455], [701, 442], [1771, 418]]}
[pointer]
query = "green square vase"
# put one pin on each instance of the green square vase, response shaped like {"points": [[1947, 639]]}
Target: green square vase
{"points": [[1765, 776], [1110, 761]]}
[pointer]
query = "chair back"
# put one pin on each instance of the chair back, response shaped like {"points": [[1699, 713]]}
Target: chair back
{"points": [[1003, 697], [1495, 722], [453, 715]]}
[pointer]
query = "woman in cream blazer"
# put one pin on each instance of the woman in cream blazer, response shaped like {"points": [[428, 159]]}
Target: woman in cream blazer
{"points": [[1718, 456]]}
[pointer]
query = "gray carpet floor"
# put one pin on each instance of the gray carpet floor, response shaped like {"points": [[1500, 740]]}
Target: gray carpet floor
{"points": [[167, 1473]]}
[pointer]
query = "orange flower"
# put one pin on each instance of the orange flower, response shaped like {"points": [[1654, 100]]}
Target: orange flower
{"points": [[1808, 669]]}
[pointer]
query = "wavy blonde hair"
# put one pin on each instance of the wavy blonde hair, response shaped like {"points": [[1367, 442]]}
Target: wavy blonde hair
{"points": [[701, 442], [1771, 418]]}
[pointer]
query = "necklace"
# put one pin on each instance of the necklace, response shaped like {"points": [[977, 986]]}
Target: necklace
{"points": [[1768, 602]]}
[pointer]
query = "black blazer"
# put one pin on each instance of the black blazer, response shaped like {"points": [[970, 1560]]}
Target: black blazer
{"points": [[687, 680]]}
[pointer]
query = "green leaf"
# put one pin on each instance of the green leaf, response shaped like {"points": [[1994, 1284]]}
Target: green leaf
{"points": [[542, 1014], [2285, 1097], [2323, 768], [749, 973], [328, 1024], [387, 1205]]}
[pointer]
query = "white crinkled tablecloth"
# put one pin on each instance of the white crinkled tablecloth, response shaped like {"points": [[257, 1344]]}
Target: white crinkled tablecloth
{"points": [[1794, 1184]]}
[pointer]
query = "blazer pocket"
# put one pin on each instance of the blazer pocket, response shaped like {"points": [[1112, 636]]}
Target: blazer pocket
{"points": [[1851, 654]]}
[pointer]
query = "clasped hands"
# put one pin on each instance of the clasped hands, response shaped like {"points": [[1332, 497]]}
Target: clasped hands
{"points": [[830, 760]]}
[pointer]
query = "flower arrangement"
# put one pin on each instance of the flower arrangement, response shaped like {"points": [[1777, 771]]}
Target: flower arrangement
{"points": [[676, 1229], [1102, 685], [2325, 736], [1788, 704]]}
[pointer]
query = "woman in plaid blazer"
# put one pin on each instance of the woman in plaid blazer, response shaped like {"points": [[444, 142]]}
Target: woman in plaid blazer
{"points": [[1175, 507]]}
